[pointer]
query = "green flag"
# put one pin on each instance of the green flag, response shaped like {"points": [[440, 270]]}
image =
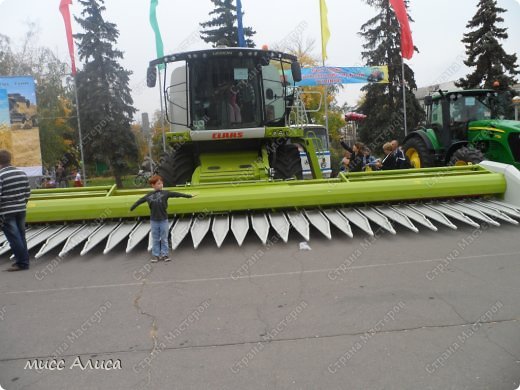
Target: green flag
{"points": [[155, 26]]}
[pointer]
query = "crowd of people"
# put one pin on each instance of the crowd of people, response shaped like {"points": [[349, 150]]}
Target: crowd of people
{"points": [[358, 158], [58, 177]]}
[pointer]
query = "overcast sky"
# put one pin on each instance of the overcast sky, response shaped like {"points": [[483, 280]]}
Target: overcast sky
{"points": [[437, 32]]}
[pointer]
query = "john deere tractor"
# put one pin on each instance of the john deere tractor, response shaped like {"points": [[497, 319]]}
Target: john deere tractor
{"points": [[465, 127]]}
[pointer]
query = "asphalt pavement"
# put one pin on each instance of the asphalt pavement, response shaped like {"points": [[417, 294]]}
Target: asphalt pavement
{"points": [[433, 310]]}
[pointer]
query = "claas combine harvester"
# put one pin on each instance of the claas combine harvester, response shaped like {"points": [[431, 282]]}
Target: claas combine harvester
{"points": [[236, 126]]}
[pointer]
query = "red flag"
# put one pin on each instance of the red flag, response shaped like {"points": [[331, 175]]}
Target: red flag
{"points": [[64, 9], [406, 34]]}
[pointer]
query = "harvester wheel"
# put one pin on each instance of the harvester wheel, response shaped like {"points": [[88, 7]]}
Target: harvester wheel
{"points": [[288, 163], [176, 167], [466, 156], [417, 151]]}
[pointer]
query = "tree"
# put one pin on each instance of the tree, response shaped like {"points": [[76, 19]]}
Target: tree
{"points": [[383, 103], [222, 30], [105, 102], [57, 136], [484, 51]]}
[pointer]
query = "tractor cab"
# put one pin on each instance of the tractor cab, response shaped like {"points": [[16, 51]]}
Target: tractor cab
{"points": [[450, 113], [227, 89]]}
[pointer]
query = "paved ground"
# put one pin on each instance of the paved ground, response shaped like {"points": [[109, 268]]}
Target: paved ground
{"points": [[429, 311]]}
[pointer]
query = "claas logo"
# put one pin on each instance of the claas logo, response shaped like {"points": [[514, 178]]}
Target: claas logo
{"points": [[228, 135]]}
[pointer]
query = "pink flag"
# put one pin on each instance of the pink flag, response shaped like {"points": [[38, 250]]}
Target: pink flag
{"points": [[64, 9], [406, 34]]}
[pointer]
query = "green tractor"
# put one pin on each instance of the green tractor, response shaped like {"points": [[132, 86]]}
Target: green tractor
{"points": [[230, 113], [465, 127]]}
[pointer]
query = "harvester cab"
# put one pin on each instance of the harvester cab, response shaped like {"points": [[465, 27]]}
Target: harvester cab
{"points": [[465, 127], [228, 110]]}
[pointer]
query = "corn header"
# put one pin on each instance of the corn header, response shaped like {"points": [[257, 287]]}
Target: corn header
{"points": [[236, 128]]}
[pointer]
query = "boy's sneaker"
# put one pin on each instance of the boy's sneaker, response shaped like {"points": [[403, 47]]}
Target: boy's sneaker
{"points": [[166, 258], [155, 259]]}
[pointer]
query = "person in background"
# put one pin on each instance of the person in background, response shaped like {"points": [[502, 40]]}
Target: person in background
{"points": [[47, 182], [61, 176], [77, 180], [14, 195], [345, 161], [356, 159], [369, 161], [389, 161], [158, 202], [400, 160]]}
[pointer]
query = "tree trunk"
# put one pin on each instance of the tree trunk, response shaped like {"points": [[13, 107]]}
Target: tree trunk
{"points": [[119, 180]]}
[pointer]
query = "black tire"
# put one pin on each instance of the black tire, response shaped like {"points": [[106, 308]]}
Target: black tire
{"points": [[466, 156], [417, 152], [176, 168], [287, 164]]}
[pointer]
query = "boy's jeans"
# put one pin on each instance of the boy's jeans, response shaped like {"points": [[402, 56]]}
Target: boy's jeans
{"points": [[160, 238]]}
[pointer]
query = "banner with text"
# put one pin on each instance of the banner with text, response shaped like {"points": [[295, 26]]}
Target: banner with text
{"points": [[327, 75]]}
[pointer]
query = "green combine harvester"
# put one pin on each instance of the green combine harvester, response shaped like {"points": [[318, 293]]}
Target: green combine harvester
{"points": [[236, 126]]}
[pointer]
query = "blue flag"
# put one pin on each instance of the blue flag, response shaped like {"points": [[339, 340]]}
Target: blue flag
{"points": [[155, 26], [241, 39]]}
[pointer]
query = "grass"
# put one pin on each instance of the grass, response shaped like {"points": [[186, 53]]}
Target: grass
{"points": [[128, 181]]}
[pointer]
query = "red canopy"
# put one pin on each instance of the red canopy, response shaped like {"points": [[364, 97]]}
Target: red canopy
{"points": [[354, 117]]}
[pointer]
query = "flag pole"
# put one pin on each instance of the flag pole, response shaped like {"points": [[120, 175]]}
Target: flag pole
{"points": [[323, 13], [160, 53], [65, 12], [326, 104], [79, 132], [240, 30], [404, 98], [162, 110], [407, 48]]}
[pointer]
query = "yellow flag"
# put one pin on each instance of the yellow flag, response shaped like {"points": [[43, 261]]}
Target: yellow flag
{"points": [[325, 33]]}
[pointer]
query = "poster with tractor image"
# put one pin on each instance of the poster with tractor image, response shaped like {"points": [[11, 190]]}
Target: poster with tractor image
{"points": [[19, 131]]}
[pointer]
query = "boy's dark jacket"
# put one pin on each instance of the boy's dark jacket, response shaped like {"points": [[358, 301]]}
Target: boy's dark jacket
{"points": [[158, 202]]}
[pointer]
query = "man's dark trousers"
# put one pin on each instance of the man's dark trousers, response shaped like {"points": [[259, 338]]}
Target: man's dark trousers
{"points": [[13, 226]]}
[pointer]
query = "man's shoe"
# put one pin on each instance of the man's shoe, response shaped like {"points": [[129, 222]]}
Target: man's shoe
{"points": [[16, 267], [155, 259], [166, 258]]}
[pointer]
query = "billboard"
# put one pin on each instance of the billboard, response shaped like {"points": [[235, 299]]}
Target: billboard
{"points": [[19, 132], [327, 75]]}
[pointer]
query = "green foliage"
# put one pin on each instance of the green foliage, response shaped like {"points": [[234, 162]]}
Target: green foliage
{"points": [[52, 93], [106, 109], [485, 52], [383, 103], [222, 29]]}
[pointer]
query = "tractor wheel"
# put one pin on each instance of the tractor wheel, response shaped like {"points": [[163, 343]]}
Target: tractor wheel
{"points": [[466, 156], [176, 168], [288, 163], [417, 152]]}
